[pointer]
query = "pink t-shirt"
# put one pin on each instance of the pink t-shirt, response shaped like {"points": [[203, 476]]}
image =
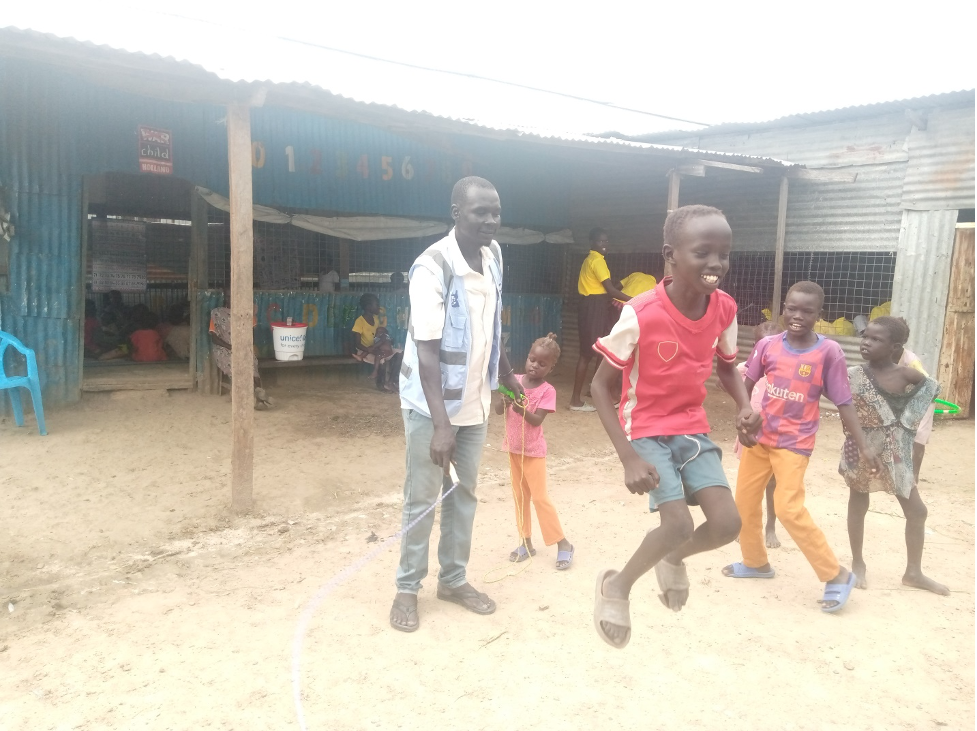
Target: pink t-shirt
{"points": [[666, 359], [796, 380], [517, 429]]}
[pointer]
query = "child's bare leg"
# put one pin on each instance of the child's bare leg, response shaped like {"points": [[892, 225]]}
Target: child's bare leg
{"points": [[916, 512], [857, 508], [770, 534], [675, 529], [919, 451], [722, 525]]}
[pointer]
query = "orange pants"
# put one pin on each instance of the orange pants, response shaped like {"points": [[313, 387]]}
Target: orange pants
{"points": [[529, 483], [756, 465]]}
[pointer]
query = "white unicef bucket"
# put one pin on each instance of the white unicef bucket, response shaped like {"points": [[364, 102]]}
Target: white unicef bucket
{"points": [[289, 340]]}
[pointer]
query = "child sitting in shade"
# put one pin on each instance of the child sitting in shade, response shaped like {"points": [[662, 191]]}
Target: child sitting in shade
{"points": [[371, 343], [91, 327], [147, 345]]}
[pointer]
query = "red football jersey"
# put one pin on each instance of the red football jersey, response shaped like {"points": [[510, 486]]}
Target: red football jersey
{"points": [[666, 359]]}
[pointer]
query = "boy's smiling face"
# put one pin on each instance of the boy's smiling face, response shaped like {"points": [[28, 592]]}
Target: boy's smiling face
{"points": [[701, 258], [801, 312]]}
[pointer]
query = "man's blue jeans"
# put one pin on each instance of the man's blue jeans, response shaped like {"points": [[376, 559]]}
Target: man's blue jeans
{"points": [[422, 485]]}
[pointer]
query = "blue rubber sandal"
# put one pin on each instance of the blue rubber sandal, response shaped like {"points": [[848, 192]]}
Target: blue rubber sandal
{"points": [[521, 554], [739, 570], [837, 593], [564, 556]]}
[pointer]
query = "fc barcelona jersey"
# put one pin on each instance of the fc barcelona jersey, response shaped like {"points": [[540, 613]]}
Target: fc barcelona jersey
{"points": [[796, 380]]}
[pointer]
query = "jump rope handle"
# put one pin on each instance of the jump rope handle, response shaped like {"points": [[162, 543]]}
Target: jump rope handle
{"points": [[506, 392], [453, 474]]}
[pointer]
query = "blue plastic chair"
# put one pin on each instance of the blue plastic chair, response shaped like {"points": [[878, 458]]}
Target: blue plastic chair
{"points": [[31, 382]]}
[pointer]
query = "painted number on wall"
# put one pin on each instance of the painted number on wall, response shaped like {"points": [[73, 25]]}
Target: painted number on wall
{"points": [[388, 165]]}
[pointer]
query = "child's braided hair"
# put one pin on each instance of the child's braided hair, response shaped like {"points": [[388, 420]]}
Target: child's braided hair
{"points": [[549, 344]]}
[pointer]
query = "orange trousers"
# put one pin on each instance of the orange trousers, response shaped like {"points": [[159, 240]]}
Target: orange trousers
{"points": [[529, 484], [756, 465]]}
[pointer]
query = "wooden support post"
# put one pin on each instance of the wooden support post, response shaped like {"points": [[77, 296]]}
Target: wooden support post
{"points": [[343, 264], [674, 181], [198, 281], [242, 307], [82, 289], [778, 257], [956, 369]]}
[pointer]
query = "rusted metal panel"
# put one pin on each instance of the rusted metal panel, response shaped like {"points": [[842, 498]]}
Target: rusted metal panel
{"points": [[940, 175], [922, 279]]}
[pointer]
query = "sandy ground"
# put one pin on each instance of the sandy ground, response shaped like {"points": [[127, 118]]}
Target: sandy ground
{"points": [[132, 599]]}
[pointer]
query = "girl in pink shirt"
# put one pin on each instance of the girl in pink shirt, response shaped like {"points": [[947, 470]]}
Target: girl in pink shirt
{"points": [[526, 445]]}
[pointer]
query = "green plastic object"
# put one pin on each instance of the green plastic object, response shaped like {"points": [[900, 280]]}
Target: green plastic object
{"points": [[951, 408], [506, 392]]}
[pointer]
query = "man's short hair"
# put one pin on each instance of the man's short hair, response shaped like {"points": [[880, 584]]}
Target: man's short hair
{"points": [[596, 233], [459, 193], [806, 287], [678, 219]]}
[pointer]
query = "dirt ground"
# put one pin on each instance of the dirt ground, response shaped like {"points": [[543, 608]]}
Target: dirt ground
{"points": [[132, 599]]}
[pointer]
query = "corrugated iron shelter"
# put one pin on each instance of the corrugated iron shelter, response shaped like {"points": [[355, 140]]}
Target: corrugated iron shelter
{"points": [[910, 187], [361, 139]]}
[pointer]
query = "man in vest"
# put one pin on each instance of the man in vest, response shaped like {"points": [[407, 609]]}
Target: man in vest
{"points": [[452, 361]]}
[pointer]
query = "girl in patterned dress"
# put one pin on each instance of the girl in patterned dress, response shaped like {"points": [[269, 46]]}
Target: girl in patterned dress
{"points": [[891, 401]]}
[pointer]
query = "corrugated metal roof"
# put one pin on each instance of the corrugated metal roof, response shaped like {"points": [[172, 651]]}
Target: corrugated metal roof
{"points": [[231, 55], [810, 119], [941, 162], [922, 279]]}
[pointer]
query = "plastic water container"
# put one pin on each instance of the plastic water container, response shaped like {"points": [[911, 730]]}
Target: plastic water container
{"points": [[289, 340]]}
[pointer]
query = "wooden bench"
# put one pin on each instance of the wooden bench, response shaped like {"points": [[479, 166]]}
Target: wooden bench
{"points": [[318, 360], [265, 364]]}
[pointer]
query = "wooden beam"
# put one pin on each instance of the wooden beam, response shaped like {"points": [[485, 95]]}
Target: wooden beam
{"points": [[821, 175], [674, 183], [729, 166], [86, 182], [198, 281], [778, 258], [242, 307]]}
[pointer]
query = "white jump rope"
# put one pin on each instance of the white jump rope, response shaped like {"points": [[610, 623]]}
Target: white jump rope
{"points": [[336, 581]]}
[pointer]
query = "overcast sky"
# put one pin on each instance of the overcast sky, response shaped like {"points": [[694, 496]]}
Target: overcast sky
{"points": [[699, 60]]}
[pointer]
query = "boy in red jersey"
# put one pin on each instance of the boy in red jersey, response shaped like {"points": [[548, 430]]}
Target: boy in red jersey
{"points": [[800, 366], [664, 343]]}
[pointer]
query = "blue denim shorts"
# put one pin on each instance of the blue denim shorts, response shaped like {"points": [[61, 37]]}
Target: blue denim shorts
{"points": [[686, 463]]}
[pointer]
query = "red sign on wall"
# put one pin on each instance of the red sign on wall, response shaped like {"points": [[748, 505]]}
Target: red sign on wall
{"points": [[155, 151]]}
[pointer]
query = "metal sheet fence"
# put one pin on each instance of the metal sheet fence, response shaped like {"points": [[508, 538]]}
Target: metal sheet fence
{"points": [[330, 317]]}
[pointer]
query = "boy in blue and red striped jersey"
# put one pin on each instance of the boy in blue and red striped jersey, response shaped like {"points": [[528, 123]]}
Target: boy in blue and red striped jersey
{"points": [[664, 343], [800, 366]]}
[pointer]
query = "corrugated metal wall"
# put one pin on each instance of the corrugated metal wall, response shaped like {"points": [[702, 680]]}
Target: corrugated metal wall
{"points": [[629, 201], [941, 162], [749, 201], [55, 129], [922, 278], [859, 216]]}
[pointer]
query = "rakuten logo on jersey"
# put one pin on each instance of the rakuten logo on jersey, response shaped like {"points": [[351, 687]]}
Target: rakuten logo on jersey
{"points": [[784, 394]]}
